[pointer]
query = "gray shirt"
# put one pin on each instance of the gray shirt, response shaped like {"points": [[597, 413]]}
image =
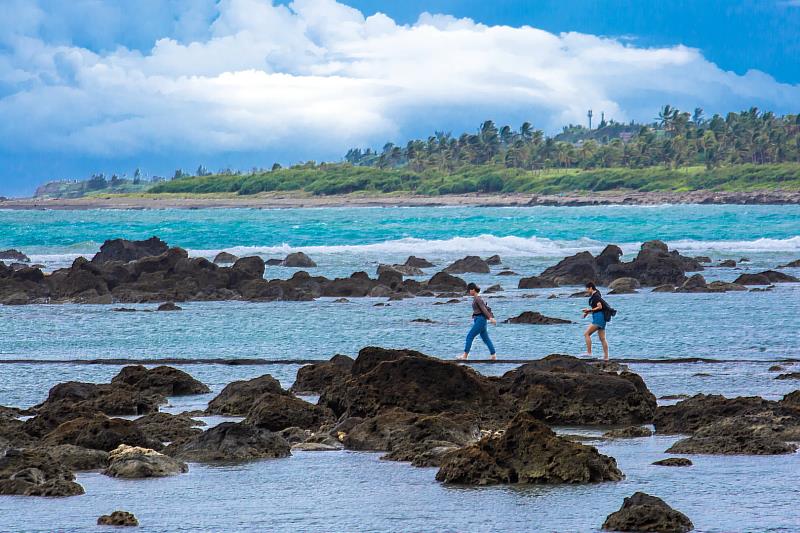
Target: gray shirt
{"points": [[480, 308]]}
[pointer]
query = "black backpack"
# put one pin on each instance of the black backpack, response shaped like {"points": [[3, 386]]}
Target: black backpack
{"points": [[608, 311]]}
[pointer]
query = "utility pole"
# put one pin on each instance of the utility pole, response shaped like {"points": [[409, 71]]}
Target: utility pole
{"points": [[589, 114]]}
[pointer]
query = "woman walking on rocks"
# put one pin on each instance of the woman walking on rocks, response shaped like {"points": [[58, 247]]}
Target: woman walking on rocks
{"points": [[600, 312], [481, 314]]}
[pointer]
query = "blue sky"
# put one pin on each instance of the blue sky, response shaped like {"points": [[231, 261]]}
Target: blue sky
{"points": [[91, 86]]}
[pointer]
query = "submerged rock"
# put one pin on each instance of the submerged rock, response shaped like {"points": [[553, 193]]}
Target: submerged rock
{"points": [[132, 462], [673, 461], [231, 441], [789, 375], [169, 306], [527, 452], [118, 518], [630, 432], [700, 410], [760, 434], [536, 318], [644, 513]]}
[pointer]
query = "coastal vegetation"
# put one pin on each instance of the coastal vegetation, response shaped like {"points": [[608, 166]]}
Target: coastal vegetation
{"points": [[678, 151]]}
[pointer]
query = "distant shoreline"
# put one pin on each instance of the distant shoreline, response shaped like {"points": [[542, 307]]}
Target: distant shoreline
{"points": [[285, 201]]}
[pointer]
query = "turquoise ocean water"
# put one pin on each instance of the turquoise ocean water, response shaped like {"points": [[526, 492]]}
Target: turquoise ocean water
{"points": [[355, 491]]}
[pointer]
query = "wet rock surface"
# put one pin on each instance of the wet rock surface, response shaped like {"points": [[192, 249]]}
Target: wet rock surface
{"points": [[536, 318], [230, 441], [238, 397], [99, 432], [382, 379], [644, 513], [419, 439], [758, 434], [767, 277], [163, 380], [35, 473], [673, 461], [630, 432], [312, 379], [469, 264], [565, 390], [280, 411], [527, 452], [166, 427]]}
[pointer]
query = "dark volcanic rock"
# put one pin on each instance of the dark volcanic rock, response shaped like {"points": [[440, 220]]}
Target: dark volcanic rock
{"points": [[418, 262], [163, 380], [100, 433], [169, 306], [767, 277], [644, 513], [527, 452], [166, 427], [673, 461], [790, 264], [700, 410], [789, 375], [238, 397], [759, 434], [494, 260], [535, 282], [298, 260], [35, 473], [412, 437], [14, 255], [118, 518], [280, 411], [442, 281], [231, 441], [126, 251], [532, 317], [76, 457], [225, 258], [469, 264], [312, 379], [382, 379], [561, 389]]}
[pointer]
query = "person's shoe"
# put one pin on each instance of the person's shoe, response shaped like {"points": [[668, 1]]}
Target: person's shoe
{"points": [[493, 357], [586, 355], [462, 357]]}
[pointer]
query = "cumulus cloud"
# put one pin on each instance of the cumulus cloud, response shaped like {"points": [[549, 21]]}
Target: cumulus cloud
{"points": [[248, 75]]}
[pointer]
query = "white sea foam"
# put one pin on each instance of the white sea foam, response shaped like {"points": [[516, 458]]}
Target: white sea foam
{"points": [[506, 246]]}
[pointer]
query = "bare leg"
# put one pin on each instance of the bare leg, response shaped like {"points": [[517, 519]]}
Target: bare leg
{"points": [[602, 334], [587, 336]]}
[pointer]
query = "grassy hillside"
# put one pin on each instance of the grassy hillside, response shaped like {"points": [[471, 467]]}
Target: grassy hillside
{"points": [[344, 178]]}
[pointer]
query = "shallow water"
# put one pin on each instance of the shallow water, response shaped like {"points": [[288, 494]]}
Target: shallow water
{"points": [[347, 491]]}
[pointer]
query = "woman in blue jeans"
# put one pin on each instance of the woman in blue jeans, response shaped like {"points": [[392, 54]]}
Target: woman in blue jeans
{"points": [[480, 315]]}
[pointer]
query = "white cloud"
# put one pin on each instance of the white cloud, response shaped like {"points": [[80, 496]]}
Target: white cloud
{"points": [[320, 73]]}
